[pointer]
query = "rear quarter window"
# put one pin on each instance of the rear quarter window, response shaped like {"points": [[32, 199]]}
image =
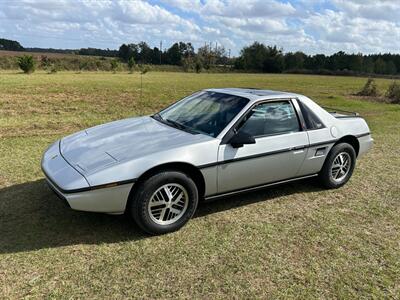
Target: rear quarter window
{"points": [[310, 118]]}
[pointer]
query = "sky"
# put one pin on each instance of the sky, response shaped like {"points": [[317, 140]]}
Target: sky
{"points": [[367, 26]]}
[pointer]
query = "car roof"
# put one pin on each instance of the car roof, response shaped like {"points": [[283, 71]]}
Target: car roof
{"points": [[255, 94]]}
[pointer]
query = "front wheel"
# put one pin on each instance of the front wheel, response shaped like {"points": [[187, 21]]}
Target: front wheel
{"points": [[164, 202], [339, 166]]}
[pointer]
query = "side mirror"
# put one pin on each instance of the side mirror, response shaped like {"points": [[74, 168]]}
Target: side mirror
{"points": [[241, 138]]}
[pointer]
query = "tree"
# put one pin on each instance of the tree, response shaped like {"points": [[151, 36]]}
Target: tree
{"points": [[356, 62], [125, 52], [179, 51], [204, 55], [368, 65], [259, 57], [145, 53], [253, 56], [294, 61], [156, 57], [273, 61], [187, 64], [380, 66], [338, 61], [219, 54], [27, 63], [174, 55], [98, 52], [391, 68], [10, 45]]}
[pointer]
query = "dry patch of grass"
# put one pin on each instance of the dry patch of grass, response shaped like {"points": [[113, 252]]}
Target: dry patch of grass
{"points": [[292, 241]]}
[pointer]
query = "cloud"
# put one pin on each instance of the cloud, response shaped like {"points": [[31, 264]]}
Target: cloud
{"points": [[387, 10], [139, 12], [248, 8], [352, 28], [185, 5], [311, 26]]}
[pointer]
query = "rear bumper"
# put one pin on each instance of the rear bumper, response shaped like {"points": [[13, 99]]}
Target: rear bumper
{"points": [[366, 143], [72, 186]]}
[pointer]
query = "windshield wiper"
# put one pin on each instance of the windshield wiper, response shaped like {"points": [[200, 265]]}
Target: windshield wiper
{"points": [[174, 124], [180, 126]]}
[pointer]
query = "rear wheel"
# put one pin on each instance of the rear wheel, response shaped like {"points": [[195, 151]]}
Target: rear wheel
{"points": [[339, 166], [164, 202]]}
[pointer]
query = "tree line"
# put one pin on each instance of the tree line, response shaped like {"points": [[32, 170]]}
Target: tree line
{"points": [[256, 57], [261, 58], [10, 45], [271, 59], [180, 54]]}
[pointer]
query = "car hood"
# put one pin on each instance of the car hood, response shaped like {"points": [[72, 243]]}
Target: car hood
{"points": [[99, 147]]}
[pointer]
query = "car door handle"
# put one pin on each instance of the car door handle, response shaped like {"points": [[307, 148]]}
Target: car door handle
{"points": [[298, 151], [297, 148]]}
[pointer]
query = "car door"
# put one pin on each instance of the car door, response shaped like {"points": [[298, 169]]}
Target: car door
{"points": [[278, 153]]}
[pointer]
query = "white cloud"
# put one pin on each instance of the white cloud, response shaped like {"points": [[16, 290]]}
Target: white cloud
{"points": [[139, 12], [185, 5], [248, 8], [387, 10], [353, 31], [308, 25]]}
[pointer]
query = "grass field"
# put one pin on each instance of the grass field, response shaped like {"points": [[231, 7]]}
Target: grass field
{"points": [[291, 241]]}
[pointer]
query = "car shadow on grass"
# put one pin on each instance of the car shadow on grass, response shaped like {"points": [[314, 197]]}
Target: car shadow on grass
{"points": [[33, 218]]}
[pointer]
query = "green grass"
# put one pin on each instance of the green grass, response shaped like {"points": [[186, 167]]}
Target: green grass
{"points": [[291, 241]]}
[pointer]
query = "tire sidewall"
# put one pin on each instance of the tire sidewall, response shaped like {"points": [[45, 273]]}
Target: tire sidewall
{"points": [[326, 176], [139, 207]]}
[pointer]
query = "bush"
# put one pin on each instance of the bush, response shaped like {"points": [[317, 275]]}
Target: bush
{"points": [[27, 63], [144, 69], [393, 92], [114, 65], [131, 64], [198, 66], [45, 62], [52, 69], [369, 88], [8, 63]]}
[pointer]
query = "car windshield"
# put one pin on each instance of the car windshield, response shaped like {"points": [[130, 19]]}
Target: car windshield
{"points": [[205, 112]]}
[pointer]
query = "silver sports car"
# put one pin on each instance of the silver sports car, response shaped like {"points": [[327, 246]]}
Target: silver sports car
{"points": [[214, 143]]}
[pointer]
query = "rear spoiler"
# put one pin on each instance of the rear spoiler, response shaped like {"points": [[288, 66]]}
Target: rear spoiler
{"points": [[341, 113]]}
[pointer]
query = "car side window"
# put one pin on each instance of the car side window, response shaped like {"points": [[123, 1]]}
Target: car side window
{"points": [[310, 118], [271, 118]]}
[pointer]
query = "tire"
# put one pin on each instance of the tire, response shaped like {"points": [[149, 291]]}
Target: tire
{"points": [[164, 202], [338, 166]]}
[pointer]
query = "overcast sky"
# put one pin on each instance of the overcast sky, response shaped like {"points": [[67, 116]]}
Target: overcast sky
{"points": [[367, 26]]}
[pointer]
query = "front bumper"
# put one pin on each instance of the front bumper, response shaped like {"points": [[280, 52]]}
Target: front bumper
{"points": [[72, 186]]}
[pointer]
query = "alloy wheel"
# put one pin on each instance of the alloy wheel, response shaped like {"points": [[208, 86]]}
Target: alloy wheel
{"points": [[168, 204], [340, 166]]}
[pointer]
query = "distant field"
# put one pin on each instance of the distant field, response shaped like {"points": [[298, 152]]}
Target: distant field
{"points": [[37, 54], [291, 241], [57, 61], [72, 62]]}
